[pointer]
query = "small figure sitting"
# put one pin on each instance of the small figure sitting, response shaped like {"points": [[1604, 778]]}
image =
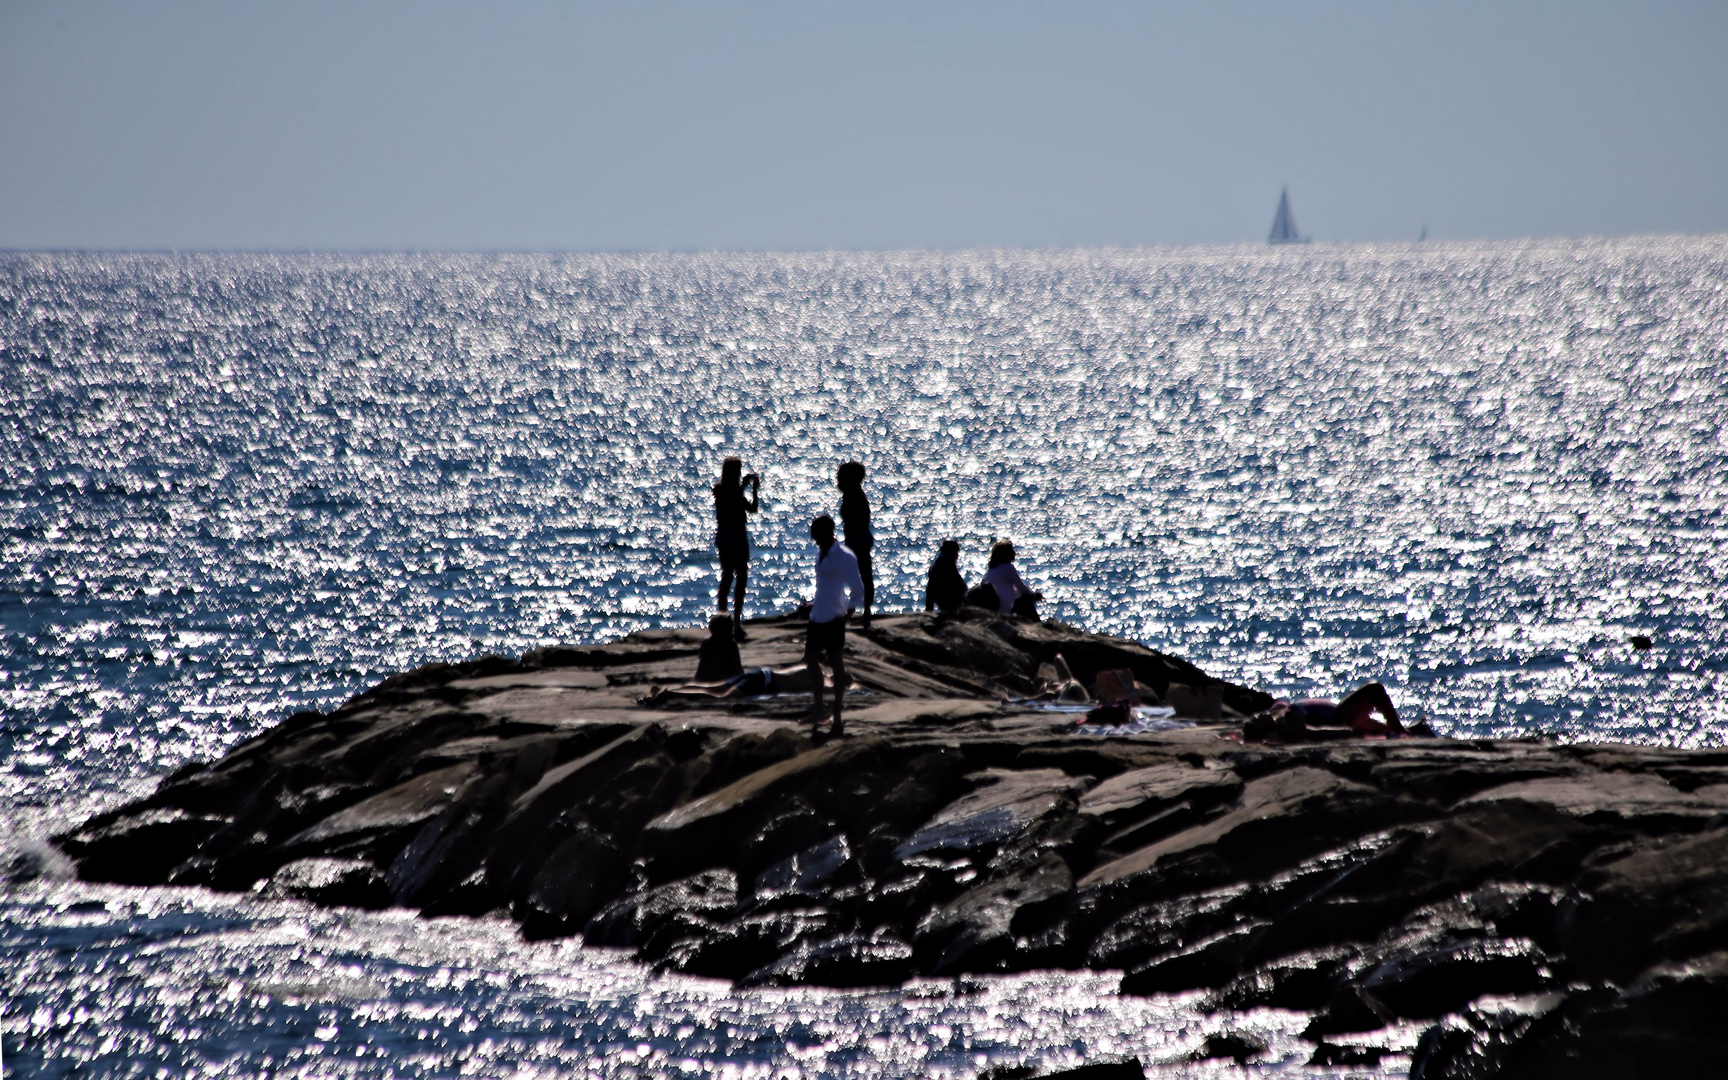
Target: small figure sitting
{"points": [[945, 589], [717, 659]]}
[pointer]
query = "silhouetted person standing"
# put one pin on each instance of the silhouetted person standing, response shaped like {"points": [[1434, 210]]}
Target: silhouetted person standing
{"points": [[732, 534], [945, 589], [838, 589], [855, 518]]}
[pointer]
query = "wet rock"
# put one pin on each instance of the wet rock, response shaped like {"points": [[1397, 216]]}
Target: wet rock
{"points": [[1230, 1045], [628, 922], [1480, 1043], [1434, 982], [140, 848], [1006, 804], [851, 960], [584, 873], [1340, 1054], [1657, 904], [337, 882], [818, 871], [1668, 1023], [743, 945], [1203, 965], [835, 780], [1302, 981], [977, 931]]}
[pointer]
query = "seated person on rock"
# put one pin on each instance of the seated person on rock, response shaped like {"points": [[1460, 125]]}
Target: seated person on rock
{"points": [[717, 659], [945, 589], [1290, 720], [1013, 595], [797, 679]]}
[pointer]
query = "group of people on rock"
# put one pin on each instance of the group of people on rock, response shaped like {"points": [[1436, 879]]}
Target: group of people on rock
{"points": [[737, 495], [845, 580], [845, 573]]}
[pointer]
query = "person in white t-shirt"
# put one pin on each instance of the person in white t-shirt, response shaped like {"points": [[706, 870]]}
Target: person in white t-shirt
{"points": [[839, 590], [1013, 596]]}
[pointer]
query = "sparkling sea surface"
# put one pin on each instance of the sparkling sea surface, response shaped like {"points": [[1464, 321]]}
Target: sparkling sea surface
{"points": [[233, 486]]}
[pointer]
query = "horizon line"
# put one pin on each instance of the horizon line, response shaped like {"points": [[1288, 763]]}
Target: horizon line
{"points": [[1315, 244]]}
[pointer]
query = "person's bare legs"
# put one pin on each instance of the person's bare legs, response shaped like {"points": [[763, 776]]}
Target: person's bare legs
{"points": [[837, 661], [738, 603], [726, 587], [867, 571], [1354, 710]]}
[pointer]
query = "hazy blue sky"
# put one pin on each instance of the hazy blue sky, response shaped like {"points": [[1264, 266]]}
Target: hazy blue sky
{"points": [[885, 125]]}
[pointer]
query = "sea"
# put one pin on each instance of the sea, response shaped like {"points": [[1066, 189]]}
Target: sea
{"points": [[232, 486]]}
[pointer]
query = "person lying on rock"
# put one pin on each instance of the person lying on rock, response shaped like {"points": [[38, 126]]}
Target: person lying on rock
{"points": [[1013, 595], [1289, 721], [945, 589], [838, 592], [1058, 683], [797, 679], [717, 659]]}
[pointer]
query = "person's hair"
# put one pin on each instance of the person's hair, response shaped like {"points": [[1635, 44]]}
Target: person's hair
{"points": [[1000, 552], [949, 547], [731, 470], [823, 523], [851, 474], [720, 625]]}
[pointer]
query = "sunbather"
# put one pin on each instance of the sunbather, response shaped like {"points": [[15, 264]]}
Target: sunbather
{"points": [[797, 679], [1289, 720]]}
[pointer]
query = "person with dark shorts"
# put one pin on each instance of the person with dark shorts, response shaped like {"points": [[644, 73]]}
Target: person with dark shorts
{"points": [[838, 590], [732, 535], [855, 519]]}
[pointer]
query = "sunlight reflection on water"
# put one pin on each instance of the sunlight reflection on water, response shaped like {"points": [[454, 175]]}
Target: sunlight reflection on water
{"points": [[239, 485]]}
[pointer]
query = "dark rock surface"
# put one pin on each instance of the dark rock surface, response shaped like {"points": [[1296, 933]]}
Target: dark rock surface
{"points": [[1547, 909]]}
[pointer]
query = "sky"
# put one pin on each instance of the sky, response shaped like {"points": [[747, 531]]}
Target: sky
{"points": [[424, 125]]}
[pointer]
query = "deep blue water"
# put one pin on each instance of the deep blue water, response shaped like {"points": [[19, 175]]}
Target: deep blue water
{"points": [[234, 486]]}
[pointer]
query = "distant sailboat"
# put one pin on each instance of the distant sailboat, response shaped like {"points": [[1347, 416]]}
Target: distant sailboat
{"points": [[1284, 225]]}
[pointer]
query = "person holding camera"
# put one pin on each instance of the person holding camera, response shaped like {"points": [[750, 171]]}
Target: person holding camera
{"points": [[732, 534]]}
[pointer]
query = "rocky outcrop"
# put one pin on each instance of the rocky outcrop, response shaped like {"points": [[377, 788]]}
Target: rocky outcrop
{"points": [[1545, 907]]}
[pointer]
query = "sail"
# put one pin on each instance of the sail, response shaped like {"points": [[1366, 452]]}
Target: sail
{"points": [[1284, 224]]}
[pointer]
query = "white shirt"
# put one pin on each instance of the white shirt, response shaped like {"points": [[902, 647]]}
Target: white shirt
{"points": [[1008, 585], [839, 588]]}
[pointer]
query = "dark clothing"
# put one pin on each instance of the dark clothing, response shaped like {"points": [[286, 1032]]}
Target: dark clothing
{"points": [[731, 534], [732, 509], [984, 596], [824, 639], [1026, 608], [717, 660], [855, 520], [945, 589], [734, 549]]}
